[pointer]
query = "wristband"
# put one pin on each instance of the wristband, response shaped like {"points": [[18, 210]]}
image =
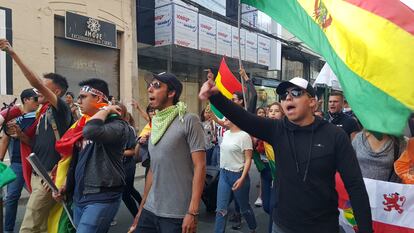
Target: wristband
{"points": [[193, 214]]}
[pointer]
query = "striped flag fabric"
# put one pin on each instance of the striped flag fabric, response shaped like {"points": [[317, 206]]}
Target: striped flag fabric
{"points": [[392, 207], [58, 221], [227, 84], [369, 44]]}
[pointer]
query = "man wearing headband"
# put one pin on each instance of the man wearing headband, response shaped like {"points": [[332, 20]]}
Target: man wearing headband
{"points": [[96, 177], [175, 180], [53, 119], [309, 151]]}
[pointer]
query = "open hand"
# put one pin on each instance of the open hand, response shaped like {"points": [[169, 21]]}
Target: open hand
{"points": [[238, 184], [189, 224]]}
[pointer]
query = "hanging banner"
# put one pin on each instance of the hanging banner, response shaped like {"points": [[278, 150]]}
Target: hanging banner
{"points": [[235, 43], [207, 34], [251, 47], [263, 50], [163, 25], [223, 39], [185, 27]]}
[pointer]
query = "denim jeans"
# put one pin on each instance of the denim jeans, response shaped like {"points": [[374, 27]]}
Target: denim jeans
{"points": [[266, 187], [209, 155], [150, 223], [226, 181], [215, 157], [14, 190], [130, 196], [95, 217]]}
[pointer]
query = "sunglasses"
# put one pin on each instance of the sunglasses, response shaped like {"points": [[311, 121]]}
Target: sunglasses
{"points": [[35, 98], [155, 85], [295, 93]]}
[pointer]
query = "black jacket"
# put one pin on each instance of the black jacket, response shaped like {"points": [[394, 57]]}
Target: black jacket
{"points": [[104, 171], [307, 159]]}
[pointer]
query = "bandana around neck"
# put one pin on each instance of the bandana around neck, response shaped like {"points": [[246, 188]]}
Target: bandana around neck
{"points": [[162, 120]]}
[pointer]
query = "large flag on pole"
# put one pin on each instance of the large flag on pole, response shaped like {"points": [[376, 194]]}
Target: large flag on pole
{"points": [[6, 175], [227, 84], [369, 45]]}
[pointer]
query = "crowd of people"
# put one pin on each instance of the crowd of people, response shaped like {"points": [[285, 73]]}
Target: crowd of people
{"points": [[296, 148]]}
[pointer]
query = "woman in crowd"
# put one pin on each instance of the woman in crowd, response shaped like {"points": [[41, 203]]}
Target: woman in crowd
{"points": [[235, 161], [376, 154], [209, 131], [131, 197]]}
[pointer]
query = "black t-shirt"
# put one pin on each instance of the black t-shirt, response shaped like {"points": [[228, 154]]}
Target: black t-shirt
{"points": [[44, 140], [345, 122]]}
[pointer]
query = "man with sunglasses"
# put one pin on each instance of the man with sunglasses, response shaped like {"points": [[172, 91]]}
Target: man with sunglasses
{"points": [[11, 141], [175, 180], [309, 151]]}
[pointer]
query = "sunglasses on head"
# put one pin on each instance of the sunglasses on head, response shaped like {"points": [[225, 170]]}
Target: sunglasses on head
{"points": [[155, 85], [295, 93]]}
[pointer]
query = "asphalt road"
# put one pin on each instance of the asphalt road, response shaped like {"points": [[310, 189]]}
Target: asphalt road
{"points": [[206, 220]]}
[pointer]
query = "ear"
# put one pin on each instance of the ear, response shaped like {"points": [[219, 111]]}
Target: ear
{"points": [[58, 92], [313, 103], [171, 94]]}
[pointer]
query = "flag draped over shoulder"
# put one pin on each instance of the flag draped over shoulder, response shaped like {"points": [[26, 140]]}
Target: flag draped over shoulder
{"points": [[227, 84], [25, 149], [58, 221], [369, 45]]}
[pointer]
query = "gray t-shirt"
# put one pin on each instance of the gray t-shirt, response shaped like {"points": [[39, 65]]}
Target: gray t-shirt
{"points": [[172, 167]]}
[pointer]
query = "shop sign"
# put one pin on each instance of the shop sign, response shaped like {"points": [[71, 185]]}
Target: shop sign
{"points": [[90, 30]]}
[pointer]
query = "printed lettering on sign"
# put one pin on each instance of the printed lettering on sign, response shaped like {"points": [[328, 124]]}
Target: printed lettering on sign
{"points": [[207, 34]]}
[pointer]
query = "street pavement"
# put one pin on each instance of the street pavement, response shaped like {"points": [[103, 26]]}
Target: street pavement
{"points": [[206, 220]]}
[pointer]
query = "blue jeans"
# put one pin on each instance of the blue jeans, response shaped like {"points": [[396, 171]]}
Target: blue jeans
{"points": [[14, 190], [226, 181], [209, 155], [266, 186], [95, 217], [215, 157]]}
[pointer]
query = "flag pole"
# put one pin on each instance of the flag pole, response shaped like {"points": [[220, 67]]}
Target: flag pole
{"points": [[240, 52]]}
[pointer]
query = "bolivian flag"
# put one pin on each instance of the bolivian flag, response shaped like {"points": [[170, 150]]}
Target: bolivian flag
{"points": [[227, 84], [58, 221], [369, 44]]}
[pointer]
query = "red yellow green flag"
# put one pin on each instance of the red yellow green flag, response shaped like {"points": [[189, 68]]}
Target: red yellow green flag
{"points": [[227, 84], [369, 44]]}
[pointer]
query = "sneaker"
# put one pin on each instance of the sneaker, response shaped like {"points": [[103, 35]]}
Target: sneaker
{"points": [[237, 224], [114, 222], [258, 202], [234, 217]]}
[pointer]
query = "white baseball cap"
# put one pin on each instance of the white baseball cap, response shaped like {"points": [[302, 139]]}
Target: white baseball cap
{"points": [[296, 82]]}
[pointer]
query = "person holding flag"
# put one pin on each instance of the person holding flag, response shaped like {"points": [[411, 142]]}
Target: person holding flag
{"points": [[311, 151], [52, 120], [95, 177]]}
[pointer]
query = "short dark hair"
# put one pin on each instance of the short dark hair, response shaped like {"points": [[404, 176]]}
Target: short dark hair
{"points": [[337, 93], [98, 84], [71, 94], [239, 95], [58, 80]]}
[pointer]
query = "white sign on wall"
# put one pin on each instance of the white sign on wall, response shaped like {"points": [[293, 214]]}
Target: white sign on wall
{"points": [[185, 27], [163, 25], [235, 43], [224, 39], [207, 34], [251, 47], [263, 50], [160, 3]]}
